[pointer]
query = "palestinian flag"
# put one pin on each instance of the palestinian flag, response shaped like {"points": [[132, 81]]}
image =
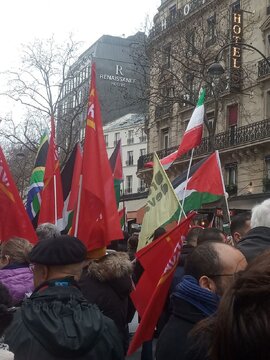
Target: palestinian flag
{"points": [[204, 185], [192, 136], [117, 170], [70, 184], [36, 180], [122, 217]]}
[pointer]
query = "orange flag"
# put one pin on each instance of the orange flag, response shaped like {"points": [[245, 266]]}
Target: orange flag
{"points": [[14, 220], [51, 209], [96, 221], [159, 260]]}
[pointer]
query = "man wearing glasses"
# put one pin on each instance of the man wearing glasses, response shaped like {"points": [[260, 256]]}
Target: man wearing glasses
{"points": [[209, 270]]}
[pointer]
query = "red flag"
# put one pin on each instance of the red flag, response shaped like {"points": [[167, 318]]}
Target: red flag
{"points": [[96, 221], [52, 196], [14, 220], [159, 260]]}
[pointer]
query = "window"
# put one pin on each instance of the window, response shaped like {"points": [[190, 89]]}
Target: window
{"points": [[142, 152], [231, 173], [267, 104], [165, 138], [267, 167], [82, 133], [106, 138], [172, 11], [232, 115], [267, 43], [167, 56], [210, 119], [163, 23], [130, 139], [143, 136], [190, 40], [129, 161], [116, 138], [142, 186], [236, 5], [79, 97], [211, 30], [65, 107], [128, 189]]}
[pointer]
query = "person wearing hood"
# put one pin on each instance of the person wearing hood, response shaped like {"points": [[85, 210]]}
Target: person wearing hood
{"points": [[257, 240], [15, 273], [209, 270], [57, 322], [107, 283]]}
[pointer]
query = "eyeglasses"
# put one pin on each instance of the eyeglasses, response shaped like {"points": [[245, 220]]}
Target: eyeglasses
{"points": [[235, 275]]}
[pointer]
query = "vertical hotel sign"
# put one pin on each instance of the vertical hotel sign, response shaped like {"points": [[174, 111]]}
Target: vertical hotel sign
{"points": [[236, 50]]}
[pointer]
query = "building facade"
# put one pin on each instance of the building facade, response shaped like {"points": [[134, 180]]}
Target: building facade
{"points": [[130, 130], [119, 79], [187, 37]]}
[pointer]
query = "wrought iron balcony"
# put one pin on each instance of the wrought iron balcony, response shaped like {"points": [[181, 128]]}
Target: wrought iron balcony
{"points": [[235, 137], [263, 68]]}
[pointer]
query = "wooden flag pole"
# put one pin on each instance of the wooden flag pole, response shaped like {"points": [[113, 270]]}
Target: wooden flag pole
{"points": [[55, 200]]}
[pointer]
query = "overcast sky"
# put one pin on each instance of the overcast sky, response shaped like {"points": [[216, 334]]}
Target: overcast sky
{"points": [[24, 20]]}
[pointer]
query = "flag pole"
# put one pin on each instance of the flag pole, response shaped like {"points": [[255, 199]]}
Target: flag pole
{"points": [[123, 187], [224, 190], [78, 207], [55, 200], [185, 189]]}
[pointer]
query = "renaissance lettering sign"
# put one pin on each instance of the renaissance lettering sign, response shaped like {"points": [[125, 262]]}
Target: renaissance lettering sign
{"points": [[236, 51], [118, 79]]}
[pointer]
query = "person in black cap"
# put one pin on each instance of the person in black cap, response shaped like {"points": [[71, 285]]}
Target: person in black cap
{"points": [[56, 322]]}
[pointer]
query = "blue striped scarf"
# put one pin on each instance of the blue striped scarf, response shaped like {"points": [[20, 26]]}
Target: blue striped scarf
{"points": [[189, 290]]}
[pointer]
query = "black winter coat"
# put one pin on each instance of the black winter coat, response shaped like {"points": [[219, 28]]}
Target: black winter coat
{"points": [[255, 242], [172, 342], [107, 283], [56, 323]]}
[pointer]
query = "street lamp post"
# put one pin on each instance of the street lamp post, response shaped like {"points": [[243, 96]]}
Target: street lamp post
{"points": [[216, 69]]}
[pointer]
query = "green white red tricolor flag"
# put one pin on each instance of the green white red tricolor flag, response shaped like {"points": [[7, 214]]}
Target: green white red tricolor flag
{"points": [[192, 136]]}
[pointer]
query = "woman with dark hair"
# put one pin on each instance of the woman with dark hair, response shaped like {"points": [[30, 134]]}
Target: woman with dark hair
{"points": [[6, 316], [241, 329]]}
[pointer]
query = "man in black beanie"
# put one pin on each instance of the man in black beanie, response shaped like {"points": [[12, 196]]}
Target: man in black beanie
{"points": [[56, 322]]}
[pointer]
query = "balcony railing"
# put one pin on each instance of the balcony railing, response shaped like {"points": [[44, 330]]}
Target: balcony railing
{"points": [[237, 136], [263, 68]]}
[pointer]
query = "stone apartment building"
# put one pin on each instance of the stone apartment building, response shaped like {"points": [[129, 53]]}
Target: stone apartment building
{"points": [[186, 38], [130, 130]]}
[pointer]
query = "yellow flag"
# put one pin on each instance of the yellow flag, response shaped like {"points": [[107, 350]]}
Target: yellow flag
{"points": [[162, 204]]}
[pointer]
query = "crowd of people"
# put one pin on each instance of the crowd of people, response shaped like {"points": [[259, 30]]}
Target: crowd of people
{"points": [[60, 301]]}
